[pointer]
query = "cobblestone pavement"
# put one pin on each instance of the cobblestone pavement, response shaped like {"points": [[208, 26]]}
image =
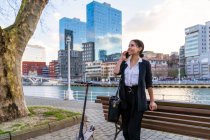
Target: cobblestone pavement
{"points": [[104, 130]]}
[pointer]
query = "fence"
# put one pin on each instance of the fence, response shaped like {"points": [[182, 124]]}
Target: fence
{"points": [[201, 99], [79, 96], [182, 82]]}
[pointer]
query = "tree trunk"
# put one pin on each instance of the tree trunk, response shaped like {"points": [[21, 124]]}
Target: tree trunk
{"points": [[13, 41]]}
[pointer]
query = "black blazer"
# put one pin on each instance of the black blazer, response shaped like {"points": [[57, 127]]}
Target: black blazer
{"points": [[145, 81]]}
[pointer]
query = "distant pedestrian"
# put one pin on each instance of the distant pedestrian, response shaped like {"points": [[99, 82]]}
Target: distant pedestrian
{"points": [[136, 76]]}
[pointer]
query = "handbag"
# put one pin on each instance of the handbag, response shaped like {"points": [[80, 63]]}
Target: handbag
{"points": [[114, 103]]}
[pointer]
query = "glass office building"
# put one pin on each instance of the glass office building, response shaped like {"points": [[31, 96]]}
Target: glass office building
{"points": [[79, 32], [104, 27]]}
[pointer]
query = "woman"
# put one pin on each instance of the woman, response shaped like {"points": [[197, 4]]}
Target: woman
{"points": [[135, 77]]}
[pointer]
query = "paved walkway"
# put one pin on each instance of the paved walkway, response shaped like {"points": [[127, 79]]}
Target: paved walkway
{"points": [[104, 130]]}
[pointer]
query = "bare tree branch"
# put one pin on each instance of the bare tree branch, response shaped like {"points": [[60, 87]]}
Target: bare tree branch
{"points": [[14, 4], [1, 11], [44, 27], [8, 10], [50, 8], [13, 8], [26, 21]]}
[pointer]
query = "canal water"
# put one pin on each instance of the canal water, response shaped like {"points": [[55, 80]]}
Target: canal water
{"points": [[193, 95]]}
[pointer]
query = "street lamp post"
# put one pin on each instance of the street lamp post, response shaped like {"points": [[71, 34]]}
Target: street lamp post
{"points": [[85, 76], [69, 94], [109, 78], [179, 75], [179, 70]]}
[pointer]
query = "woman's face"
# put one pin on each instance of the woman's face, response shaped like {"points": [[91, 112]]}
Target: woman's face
{"points": [[133, 49]]}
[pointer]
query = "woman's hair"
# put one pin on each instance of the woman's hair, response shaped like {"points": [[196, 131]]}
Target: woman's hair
{"points": [[139, 43]]}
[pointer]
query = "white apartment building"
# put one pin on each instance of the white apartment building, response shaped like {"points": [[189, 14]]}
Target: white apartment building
{"points": [[159, 67], [100, 71], [197, 50], [107, 71], [93, 71], [34, 53]]}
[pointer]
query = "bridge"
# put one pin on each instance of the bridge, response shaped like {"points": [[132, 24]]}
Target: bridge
{"points": [[36, 80]]}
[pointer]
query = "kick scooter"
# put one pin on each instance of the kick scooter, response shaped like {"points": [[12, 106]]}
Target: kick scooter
{"points": [[90, 131]]}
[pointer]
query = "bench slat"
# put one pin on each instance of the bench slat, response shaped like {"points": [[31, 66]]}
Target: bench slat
{"points": [[178, 116], [181, 104], [104, 102], [179, 121], [177, 126], [182, 110]]}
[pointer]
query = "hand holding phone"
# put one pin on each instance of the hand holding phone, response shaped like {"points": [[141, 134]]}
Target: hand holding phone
{"points": [[127, 55]]}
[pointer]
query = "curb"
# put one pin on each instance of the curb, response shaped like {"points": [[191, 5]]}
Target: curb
{"points": [[42, 129]]}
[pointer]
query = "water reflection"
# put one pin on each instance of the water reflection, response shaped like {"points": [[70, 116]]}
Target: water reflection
{"points": [[193, 95]]}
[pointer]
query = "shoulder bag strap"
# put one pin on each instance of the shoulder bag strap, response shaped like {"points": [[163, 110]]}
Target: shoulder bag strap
{"points": [[118, 88]]}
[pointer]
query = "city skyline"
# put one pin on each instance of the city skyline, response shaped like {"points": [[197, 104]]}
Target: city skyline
{"points": [[158, 23]]}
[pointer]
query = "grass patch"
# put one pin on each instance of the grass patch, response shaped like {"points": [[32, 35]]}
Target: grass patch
{"points": [[56, 113], [38, 115], [31, 110], [3, 132]]}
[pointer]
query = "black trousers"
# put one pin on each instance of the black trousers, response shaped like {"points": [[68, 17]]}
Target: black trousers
{"points": [[131, 117]]}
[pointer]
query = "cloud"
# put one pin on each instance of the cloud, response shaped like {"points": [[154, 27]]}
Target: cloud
{"points": [[55, 37], [169, 12], [162, 27], [57, 16], [34, 41], [49, 42], [109, 42], [146, 20]]}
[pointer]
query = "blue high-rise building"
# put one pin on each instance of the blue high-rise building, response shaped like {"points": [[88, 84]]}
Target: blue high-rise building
{"points": [[104, 27], [102, 54], [79, 32]]}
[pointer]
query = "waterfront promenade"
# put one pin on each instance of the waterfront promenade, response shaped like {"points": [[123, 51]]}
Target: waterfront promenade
{"points": [[160, 84], [104, 130]]}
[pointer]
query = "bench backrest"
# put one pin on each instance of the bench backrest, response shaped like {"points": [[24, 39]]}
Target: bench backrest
{"points": [[182, 118]]}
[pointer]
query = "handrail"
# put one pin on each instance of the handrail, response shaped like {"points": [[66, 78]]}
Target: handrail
{"points": [[92, 95], [181, 82]]}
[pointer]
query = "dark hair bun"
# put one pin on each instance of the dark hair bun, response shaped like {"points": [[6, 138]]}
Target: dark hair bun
{"points": [[141, 55]]}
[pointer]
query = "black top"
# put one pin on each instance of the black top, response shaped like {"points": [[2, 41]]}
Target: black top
{"points": [[145, 81]]}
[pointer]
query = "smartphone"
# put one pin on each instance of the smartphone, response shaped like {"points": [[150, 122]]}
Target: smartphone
{"points": [[127, 55]]}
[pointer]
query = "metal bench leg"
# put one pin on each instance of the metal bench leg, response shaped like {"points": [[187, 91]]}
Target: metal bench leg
{"points": [[117, 130]]}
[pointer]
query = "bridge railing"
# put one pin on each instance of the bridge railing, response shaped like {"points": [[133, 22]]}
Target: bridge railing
{"points": [[181, 82], [79, 96], [201, 99]]}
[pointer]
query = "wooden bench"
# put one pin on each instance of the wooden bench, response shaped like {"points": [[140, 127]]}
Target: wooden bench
{"points": [[181, 118]]}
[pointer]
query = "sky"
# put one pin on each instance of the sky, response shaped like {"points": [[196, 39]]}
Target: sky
{"points": [[159, 24]]}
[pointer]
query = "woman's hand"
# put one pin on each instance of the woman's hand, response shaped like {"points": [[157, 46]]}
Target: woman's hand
{"points": [[152, 106], [123, 56], [121, 59]]}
